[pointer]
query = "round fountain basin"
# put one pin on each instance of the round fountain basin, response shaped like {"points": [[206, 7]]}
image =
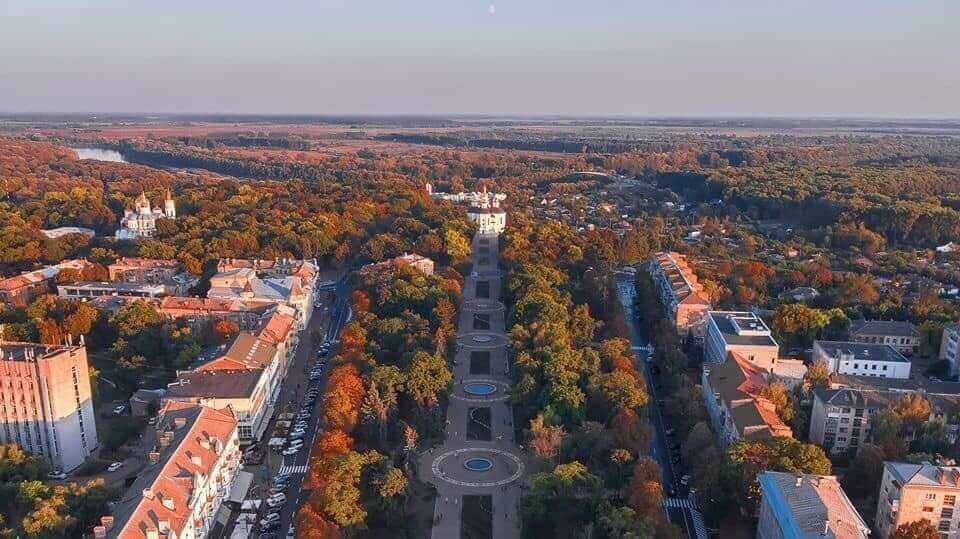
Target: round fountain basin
{"points": [[482, 338], [478, 464], [480, 388]]}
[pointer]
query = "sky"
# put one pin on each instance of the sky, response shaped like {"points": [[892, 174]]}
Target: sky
{"points": [[852, 58]]}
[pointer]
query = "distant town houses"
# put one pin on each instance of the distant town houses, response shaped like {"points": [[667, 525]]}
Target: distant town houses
{"points": [[924, 491], [422, 263], [20, 290], [901, 335], [94, 289], [191, 471], [681, 294], [862, 359], [141, 221], [153, 271], [246, 314], [739, 331], [806, 506], [738, 411], [280, 282], [47, 402]]}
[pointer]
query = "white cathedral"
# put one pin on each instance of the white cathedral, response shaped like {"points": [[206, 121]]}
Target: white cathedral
{"points": [[141, 222]]}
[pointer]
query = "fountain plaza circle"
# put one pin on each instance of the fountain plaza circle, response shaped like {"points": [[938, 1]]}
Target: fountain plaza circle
{"points": [[481, 340], [463, 467], [479, 388], [483, 305], [478, 464]]}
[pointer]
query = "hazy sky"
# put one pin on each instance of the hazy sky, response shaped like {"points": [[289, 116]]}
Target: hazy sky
{"points": [[616, 57]]}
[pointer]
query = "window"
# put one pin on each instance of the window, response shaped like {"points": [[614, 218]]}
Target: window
{"points": [[928, 509], [856, 365], [884, 367], [931, 496], [946, 512], [949, 500], [944, 526]]}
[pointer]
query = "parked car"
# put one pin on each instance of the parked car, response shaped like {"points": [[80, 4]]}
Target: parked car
{"points": [[685, 480], [119, 409], [114, 466], [56, 474], [277, 500], [291, 451]]}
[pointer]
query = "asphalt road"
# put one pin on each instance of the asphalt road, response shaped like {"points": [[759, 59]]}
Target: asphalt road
{"points": [[295, 386], [659, 449]]}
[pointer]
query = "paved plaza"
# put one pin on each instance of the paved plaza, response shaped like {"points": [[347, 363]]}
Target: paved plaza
{"points": [[477, 457]]}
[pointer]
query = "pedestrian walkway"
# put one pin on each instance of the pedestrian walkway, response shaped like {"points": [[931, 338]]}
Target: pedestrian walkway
{"points": [[479, 455], [285, 469], [677, 503], [698, 525]]}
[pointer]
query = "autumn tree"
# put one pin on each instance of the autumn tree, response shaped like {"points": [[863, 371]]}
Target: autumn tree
{"points": [[543, 438], [918, 529]]}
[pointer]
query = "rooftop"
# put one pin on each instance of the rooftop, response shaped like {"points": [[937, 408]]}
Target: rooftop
{"points": [[924, 474], [190, 439], [738, 383], [742, 328], [811, 506], [221, 384], [857, 351], [26, 351], [883, 327]]}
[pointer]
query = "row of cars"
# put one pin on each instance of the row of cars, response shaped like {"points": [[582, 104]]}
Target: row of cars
{"points": [[270, 522]]}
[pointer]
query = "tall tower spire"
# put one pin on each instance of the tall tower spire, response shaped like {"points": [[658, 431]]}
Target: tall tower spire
{"points": [[169, 208]]}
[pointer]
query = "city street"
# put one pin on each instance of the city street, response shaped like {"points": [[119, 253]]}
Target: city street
{"points": [[327, 324], [682, 509]]}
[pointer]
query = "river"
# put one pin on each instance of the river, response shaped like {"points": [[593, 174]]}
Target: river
{"points": [[100, 154]]}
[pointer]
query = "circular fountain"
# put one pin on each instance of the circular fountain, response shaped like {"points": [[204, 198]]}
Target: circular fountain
{"points": [[478, 464], [481, 389]]}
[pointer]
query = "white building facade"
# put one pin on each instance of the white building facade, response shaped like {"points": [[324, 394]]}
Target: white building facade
{"points": [[141, 222], [861, 359]]}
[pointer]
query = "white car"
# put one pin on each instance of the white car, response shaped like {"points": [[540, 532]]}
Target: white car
{"points": [[270, 517], [114, 466], [295, 443], [56, 474], [276, 501], [119, 409], [296, 434], [291, 451]]}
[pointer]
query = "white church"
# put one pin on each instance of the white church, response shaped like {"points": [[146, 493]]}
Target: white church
{"points": [[141, 221], [483, 208]]}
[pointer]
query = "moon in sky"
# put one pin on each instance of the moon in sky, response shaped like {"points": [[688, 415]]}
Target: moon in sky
{"points": [[492, 9]]}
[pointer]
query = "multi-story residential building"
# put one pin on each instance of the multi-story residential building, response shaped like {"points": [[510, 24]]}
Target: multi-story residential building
{"points": [[141, 221], [840, 419], [901, 335], [188, 476], [46, 406], [283, 281], [731, 393], [247, 377], [20, 290], [245, 313], [422, 263], [153, 271], [861, 359], [950, 348], [91, 289], [742, 332], [682, 296], [805, 506], [911, 492]]}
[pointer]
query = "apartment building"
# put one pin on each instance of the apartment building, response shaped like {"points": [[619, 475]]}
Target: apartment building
{"points": [[862, 359], [682, 296], [153, 271], [901, 335], [280, 282], [840, 419], [731, 393], [93, 289], [189, 474], [911, 492], [247, 377], [245, 313], [46, 405], [801, 506], [20, 290], [950, 348], [741, 332]]}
